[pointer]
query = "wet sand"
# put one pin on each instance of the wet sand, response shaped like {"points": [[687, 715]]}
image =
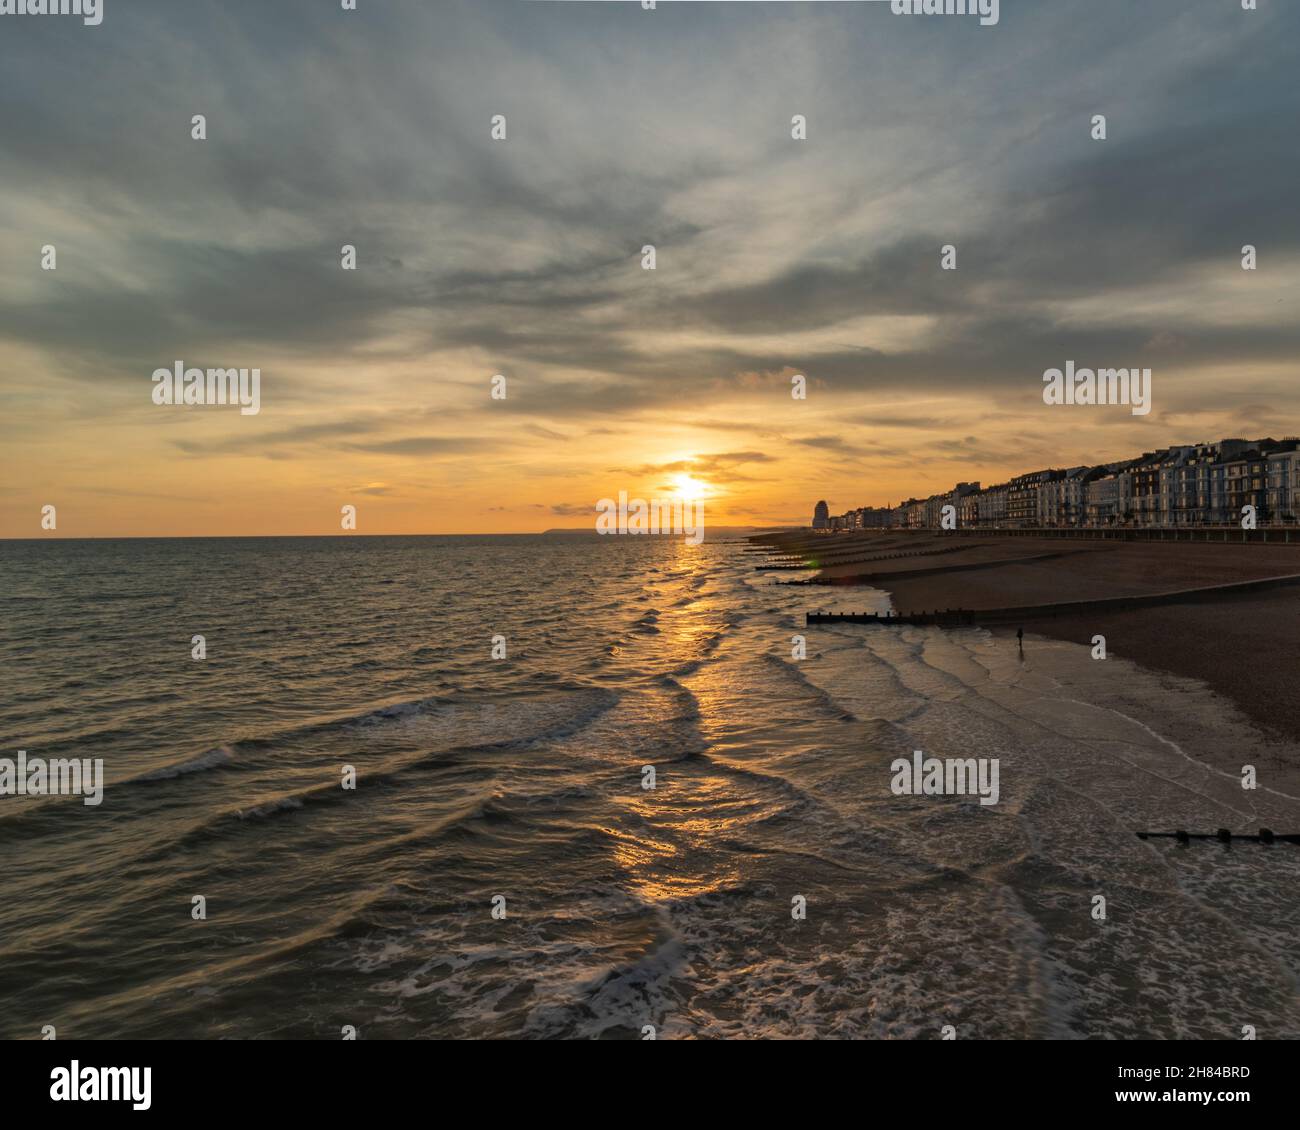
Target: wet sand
{"points": [[1245, 645]]}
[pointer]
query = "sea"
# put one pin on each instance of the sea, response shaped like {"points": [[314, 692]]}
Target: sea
{"points": [[603, 788]]}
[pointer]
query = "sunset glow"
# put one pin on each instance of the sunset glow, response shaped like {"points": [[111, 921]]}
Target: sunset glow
{"points": [[522, 258]]}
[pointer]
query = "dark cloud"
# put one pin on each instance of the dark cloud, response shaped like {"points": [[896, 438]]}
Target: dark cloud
{"points": [[523, 256], [420, 445], [301, 435]]}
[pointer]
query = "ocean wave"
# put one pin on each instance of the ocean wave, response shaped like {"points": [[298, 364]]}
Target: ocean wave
{"points": [[819, 694], [209, 759], [269, 808]]}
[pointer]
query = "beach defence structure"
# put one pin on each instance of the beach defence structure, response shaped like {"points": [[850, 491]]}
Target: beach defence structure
{"points": [[1224, 836], [949, 618], [965, 617], [828, 560], [1262, 535]]}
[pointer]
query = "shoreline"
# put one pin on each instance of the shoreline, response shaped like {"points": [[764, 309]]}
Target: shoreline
{"points": [[1158, 604]]}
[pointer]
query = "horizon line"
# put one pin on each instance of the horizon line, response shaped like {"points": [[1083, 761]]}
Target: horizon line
{"points": [[54, 536]]}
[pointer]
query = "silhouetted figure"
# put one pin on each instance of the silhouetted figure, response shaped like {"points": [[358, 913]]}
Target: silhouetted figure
{"points": [[1020, 640]]}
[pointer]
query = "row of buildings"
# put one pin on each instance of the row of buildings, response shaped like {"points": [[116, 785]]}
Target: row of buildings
{"points": [[1203, 484]]}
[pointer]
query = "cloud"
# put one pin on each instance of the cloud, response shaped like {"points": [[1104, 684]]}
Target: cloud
{"points": [[420, 445], [523, 257]]}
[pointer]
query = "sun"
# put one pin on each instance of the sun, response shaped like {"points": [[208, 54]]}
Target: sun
{"points": [[690, 489]]}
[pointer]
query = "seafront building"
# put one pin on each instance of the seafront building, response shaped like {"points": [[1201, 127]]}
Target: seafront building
{"points": [[1189, 485], [1022, 496], [1283, 485], [991, 506], [1060, 498]]}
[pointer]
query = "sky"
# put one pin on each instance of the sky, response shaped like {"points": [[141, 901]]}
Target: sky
{"points": [[523, 257]]}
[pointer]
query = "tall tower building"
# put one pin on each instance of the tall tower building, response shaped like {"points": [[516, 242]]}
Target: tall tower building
{"points": [[821, 516]]}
